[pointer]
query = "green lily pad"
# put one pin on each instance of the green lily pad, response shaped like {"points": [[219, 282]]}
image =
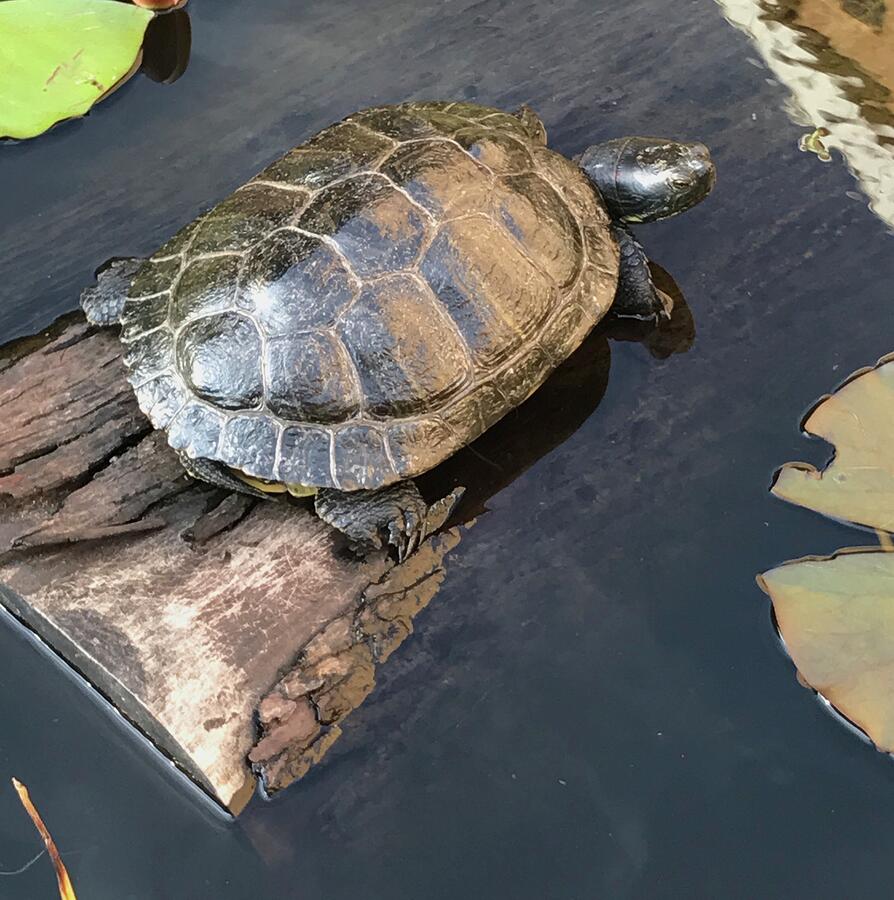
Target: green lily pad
{"points": [[59, 57], [836, 616]]}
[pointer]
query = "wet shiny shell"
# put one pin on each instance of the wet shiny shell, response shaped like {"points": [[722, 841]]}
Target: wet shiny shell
{"points": [[373, 300]]}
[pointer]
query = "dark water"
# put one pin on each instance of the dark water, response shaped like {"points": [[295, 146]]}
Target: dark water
{"points": [[596, 704]]}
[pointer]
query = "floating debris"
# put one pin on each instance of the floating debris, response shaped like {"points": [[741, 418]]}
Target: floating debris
{"points": [[813, 143]]}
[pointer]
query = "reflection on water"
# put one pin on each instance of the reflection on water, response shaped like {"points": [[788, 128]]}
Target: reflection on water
{"points": [[837, 58], [166, 47]]}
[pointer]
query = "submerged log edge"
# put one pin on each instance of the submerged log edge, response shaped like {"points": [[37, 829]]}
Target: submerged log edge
{"points": [[235, 634], [299, 719]]}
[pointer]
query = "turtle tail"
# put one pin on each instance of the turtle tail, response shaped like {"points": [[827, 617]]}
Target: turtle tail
{"points": [[103, 302]]}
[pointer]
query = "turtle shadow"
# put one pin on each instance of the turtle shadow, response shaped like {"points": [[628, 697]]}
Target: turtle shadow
{"points": [[555, 411]]}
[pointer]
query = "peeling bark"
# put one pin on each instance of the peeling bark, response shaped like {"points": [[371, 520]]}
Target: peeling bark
{"points": [[335, 672]]}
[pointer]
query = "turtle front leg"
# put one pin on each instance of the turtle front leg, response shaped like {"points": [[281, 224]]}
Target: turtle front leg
{"points": [[636, 296], [104, 302], [396, 515]]}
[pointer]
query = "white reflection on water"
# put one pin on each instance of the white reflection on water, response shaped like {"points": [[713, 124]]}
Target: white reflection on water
{"points": [[837, 59]]}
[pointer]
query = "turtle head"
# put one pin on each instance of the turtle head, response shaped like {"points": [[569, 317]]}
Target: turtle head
{"points": [[645, 179]]}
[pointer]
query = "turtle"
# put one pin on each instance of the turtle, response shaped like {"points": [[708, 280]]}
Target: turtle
{"points": [[381, 295]]}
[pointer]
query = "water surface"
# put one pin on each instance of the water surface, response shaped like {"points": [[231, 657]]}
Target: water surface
{"points": [[596, 704]]}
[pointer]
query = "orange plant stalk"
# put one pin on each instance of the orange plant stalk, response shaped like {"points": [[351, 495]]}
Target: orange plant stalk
{"points": [[66, 891]]}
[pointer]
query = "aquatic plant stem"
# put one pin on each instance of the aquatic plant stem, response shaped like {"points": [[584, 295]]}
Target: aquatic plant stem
{"points": [[66, 890]]}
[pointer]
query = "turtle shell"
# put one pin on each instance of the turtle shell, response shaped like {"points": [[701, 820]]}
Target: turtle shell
{"points": [[373, 300]]}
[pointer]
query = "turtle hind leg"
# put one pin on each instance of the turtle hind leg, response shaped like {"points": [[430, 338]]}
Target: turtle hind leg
{"points": [[103, 302], [396, 515], [636, 296]]}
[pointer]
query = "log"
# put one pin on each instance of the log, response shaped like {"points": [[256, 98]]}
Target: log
{"points": [[182, 604], [237, 634]]}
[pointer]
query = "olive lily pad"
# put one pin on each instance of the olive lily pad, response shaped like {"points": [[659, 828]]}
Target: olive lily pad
{"points": [[59, 57], [836, 616], [858, 485]]}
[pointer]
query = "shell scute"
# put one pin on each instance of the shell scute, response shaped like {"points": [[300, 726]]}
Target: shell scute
{"points": [[148, 354], [440, 176], [245, 217], [578, 193], [419, 444], [144, 314], [489, 287], [305, 456], [161, 398], [292, 282], [249, 444], [205, 286], [502, 153], [196, 430], [179, 242], [408, 354], [562, 334], [361, 460], [220, 359], [337, 152], [376, 226], [519, 380], [154, 277], [602, 272], [535, 214], [474, 413], [400, 123], [470, 111], [310, 378]]}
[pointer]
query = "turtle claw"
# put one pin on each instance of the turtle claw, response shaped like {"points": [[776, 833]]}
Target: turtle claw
{"points": [[405, 533], [397, 516]]}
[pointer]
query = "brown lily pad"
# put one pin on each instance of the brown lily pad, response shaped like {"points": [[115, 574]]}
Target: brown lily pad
{"points": [[858, 484], [836, 616]]}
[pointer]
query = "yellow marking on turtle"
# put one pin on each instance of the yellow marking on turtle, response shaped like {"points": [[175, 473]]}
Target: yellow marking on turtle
{"points": [[275, 487], [300, 490]]}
